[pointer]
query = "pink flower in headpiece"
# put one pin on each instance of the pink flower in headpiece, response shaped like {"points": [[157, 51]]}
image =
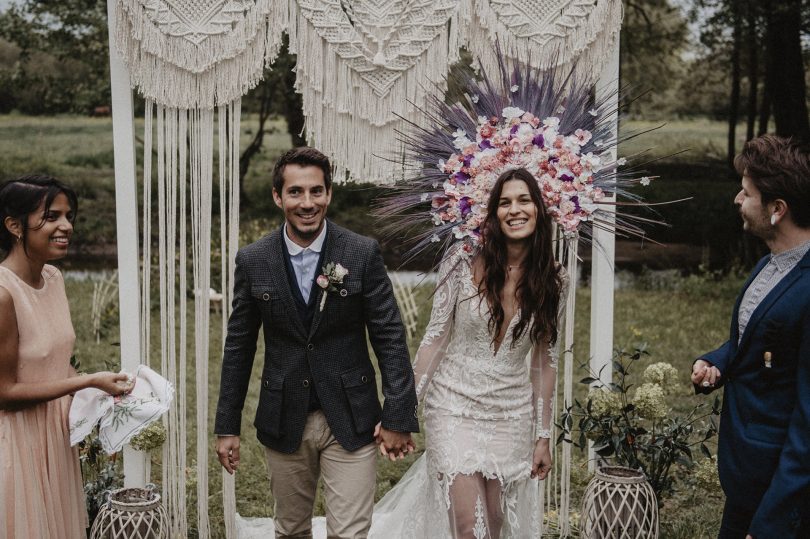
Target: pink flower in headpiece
{"points": [[582, 136]]}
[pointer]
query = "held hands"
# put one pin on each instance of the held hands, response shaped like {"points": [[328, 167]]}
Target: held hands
{"points": [[114, 383], [541, 460], [392, 444], [228, 452], [704, 374]]}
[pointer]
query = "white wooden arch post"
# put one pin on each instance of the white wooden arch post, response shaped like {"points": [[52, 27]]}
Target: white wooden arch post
{"points": [[603, 254], [136, 465]]}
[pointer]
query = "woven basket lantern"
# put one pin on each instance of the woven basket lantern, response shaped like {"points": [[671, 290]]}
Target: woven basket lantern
{"points": [[619, 503], [131, 513]]}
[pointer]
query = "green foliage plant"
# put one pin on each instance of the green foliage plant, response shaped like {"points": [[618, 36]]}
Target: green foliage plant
{"points": [[100, 472], [636, 429]]}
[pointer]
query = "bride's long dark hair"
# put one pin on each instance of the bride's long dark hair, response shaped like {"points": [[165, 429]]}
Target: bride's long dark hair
{"points": [[539, 288]]}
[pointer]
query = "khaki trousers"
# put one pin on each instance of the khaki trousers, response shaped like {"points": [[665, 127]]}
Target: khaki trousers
{"points": [[349, 480]]}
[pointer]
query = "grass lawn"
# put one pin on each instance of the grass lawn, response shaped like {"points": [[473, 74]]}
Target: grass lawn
{"points": [[679, 318]]}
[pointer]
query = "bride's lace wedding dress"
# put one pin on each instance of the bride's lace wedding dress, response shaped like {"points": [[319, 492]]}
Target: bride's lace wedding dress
{"points": [[484, 408]]}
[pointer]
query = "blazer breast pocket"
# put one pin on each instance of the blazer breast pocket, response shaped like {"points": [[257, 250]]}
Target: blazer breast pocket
{"points": [[347, 302], [269, 301], [780, 349]]}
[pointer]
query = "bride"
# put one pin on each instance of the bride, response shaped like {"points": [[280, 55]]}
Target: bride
{"points": [[487, 413]]}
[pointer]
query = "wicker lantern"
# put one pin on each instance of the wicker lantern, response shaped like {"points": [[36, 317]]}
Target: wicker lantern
{"points": [[619, 503], [131, 513]]}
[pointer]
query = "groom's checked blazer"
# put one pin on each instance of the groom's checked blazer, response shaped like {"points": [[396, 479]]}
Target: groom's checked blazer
{"points": [[764, 444], [330, 355]]}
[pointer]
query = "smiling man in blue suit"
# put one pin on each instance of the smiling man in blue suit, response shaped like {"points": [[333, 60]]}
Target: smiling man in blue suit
{"points": [[764, 443]]}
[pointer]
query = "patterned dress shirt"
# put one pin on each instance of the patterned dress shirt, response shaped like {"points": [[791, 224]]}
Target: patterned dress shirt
{"points": [[773, 272]]}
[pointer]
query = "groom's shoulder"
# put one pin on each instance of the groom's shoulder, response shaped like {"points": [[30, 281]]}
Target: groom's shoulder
{"points": [[260, 246], [353, 239]]}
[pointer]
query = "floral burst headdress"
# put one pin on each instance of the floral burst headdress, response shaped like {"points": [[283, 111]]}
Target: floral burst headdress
{"points": [[524, 117]]}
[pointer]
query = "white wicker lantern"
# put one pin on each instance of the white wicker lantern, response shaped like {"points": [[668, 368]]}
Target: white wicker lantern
{"points": [[619, 503], [131, 513]]}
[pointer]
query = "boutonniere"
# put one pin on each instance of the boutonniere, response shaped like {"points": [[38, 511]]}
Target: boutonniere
{"points": [[332, 275]]}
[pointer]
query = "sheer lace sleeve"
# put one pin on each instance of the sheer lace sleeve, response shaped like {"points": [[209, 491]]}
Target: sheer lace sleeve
{"points": [[544, 372], [440, 328]]}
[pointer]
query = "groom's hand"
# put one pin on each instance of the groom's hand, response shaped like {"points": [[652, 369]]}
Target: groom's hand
{"points": [[394, 445], [228, 452]]}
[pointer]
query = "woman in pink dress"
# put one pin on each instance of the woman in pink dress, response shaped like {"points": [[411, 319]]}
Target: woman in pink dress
{"points": [[41, 494]]}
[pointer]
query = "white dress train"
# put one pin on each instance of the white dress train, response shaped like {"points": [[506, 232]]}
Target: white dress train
{"points": [[483, 408]]}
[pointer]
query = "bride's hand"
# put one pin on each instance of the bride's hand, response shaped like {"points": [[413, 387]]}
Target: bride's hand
{"points": [[541, 461]]}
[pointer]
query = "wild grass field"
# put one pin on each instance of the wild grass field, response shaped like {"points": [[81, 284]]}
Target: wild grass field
{"points": [[679, 317]]}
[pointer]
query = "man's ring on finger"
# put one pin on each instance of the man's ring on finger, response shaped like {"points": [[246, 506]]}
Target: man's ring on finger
{"points": [[706, 384]]}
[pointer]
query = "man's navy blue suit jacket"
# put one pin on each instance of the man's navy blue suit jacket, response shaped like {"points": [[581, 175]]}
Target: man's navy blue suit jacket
{"points": [[764, 442]]}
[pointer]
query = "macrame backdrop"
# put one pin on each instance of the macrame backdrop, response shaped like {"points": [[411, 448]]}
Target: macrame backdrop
{"points": [[364, 66], [192, 61], [538, 31]]}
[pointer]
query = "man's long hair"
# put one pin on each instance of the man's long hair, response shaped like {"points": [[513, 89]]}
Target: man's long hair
{"points": [[538, 291]]}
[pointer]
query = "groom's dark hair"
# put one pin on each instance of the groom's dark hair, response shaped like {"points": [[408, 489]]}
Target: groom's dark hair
{"points": [[302, 156]]}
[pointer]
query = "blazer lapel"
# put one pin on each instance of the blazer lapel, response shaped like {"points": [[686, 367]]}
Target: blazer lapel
{"points": [[766, 303], [278, 274], [332, 253]]}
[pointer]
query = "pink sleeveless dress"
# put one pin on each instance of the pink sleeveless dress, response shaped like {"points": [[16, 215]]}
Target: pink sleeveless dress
{"points": [[41, 494]]}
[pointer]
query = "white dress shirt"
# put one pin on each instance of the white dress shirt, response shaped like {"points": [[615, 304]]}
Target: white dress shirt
{"points": [[305, 260]]}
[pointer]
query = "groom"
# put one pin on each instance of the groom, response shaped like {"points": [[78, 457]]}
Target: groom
{"points": [[316, 288]]}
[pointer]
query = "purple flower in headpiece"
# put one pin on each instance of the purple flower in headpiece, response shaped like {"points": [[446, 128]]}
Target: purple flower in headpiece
{"points": [[485, 144], [461, 177], [464, 206], [514, 129], [567, 178], [538, 140], [467, 160], [575, 200]]}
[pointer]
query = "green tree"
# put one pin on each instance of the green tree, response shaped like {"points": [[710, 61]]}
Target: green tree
{"points": [[653, 37], [63, 61]]}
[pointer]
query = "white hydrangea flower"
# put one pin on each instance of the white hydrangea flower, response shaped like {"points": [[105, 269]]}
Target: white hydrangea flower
{"points": [[645, 181], [604, 401], [663, 374], [649, 401], [512, 112]]}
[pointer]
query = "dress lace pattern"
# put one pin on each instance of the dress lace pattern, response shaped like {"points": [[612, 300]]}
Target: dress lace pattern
{"points": [[483, 409]]}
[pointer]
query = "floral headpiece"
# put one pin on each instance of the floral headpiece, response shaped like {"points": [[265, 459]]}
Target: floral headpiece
{"points": [[525, 118]]}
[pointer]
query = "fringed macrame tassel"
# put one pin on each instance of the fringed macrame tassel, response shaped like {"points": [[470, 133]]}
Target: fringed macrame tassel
{"points": [[581, 31], [229, 131], [211, 64], [201, 201], [353, 111], [182, 429], [146, 249]]}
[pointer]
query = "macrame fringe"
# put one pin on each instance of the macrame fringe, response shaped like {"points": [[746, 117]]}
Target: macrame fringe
{"points": [[185, 155], [177, 72], [346, 117], [590, 32]]}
